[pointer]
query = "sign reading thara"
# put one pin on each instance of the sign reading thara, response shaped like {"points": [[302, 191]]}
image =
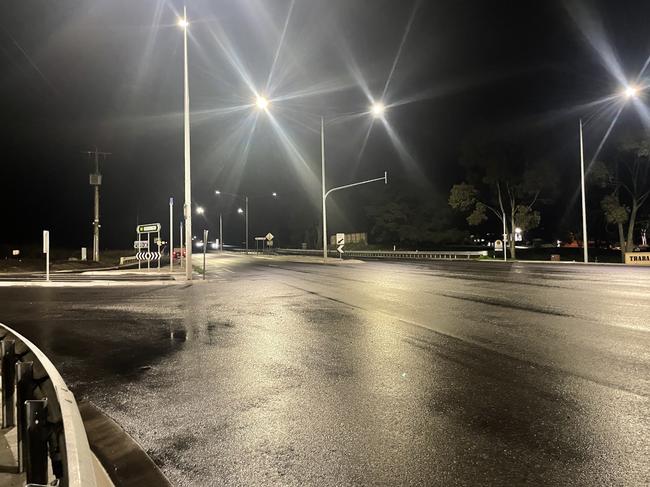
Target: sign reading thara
{"points": [[637, 258], [148, 228]]}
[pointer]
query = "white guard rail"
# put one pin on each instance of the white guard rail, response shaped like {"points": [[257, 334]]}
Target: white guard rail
{"points": [[396, 255], [63, 418]]}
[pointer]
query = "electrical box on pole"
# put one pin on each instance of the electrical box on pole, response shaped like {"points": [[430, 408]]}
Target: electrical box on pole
{"points": [[96, 181]]}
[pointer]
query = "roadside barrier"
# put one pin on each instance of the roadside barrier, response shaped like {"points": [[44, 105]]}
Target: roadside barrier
{"points": [[37, 401], [395, 255]]}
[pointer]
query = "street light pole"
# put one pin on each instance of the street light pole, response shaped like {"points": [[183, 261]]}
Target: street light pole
{"points": [[585, 240], [384, 178], [220, 233], [188, 181], [246, 224], [322, 170], [171, 234]]}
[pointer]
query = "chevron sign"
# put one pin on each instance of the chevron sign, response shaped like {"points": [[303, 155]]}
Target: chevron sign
{"points": [[148, 255]]}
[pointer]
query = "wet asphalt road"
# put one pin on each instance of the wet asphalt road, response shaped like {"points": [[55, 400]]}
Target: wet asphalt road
{"points": [[284, 373]]}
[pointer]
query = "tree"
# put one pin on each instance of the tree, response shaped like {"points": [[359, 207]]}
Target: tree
{"points": [[412, 220], [502, 183], [626, 176]]}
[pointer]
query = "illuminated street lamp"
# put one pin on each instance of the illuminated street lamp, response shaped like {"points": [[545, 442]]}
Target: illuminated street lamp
{"points": [[629, 92], [262, 103], [187, 209], [377, 109], [200, 210], [240, 211]]}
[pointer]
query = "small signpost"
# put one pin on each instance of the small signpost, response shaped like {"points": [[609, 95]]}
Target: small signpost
{"points": [[498, 245], [46, 251], [259, 239], [340, 243], [148, 228], [140, 244]]}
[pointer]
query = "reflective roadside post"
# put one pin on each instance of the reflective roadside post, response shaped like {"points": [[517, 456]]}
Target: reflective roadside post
{"points": [[205, 249], [171, 234], [46, 251]]}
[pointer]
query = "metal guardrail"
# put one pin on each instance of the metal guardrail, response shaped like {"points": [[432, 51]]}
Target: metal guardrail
{"points": [[37, 401], [128, 260], [396, 255]]}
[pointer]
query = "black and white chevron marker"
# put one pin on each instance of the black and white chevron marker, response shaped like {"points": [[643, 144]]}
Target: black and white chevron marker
{"points": [[148, 255]]}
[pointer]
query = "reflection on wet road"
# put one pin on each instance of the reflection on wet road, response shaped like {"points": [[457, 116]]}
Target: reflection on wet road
{"points": [[284, 373]]}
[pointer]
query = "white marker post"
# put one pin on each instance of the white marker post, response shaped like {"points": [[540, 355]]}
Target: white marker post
{"points": [[46, 251], [205, 248], [171, 234]]}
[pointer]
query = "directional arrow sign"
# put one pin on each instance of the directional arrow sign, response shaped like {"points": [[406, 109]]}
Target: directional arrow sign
{"points": [[340, 249], [148, 228]]}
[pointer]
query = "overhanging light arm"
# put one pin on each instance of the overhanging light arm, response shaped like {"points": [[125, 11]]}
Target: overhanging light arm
{"points": [[384, 178]]}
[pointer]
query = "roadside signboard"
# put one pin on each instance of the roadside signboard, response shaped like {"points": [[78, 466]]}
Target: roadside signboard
{"points": [[269, 236], [148, 256], [637, 258], [148, 228], [498, 245], [340, 242], [140, 244]]}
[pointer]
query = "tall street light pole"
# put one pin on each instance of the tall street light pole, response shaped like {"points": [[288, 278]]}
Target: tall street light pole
{"points": [[377, 109], [246, 197], [187, 209], [322, 170], [629, 92], [585, 240]]}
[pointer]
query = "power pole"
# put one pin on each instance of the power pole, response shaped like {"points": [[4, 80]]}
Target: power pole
{"points": [[96, 181]]}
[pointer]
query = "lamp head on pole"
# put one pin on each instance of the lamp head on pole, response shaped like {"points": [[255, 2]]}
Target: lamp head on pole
{"points": [[377, 109], [630, 92], [261, 103]]}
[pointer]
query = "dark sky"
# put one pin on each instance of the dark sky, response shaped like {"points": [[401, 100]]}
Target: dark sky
{"points": [[108, 73]]}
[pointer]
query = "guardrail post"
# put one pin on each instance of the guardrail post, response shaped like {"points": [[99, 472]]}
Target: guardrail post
{"points": [[24, 392], [7, 349], [36, 439]]}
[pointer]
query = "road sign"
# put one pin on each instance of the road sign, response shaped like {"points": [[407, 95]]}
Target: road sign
{"points": [[260, 238], [340, 242], [148, 255], [148, 228], [140, 244], [637, 258], [269, 236], [498, 245]]}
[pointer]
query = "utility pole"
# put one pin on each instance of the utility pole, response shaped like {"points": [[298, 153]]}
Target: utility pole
{"points": [[96, 181]]}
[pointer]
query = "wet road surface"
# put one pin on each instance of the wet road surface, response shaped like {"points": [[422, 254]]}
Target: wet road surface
{"points": [[283, 373]]}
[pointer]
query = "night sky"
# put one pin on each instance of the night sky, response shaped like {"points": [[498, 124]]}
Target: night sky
{"points": [[75, 75]]}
